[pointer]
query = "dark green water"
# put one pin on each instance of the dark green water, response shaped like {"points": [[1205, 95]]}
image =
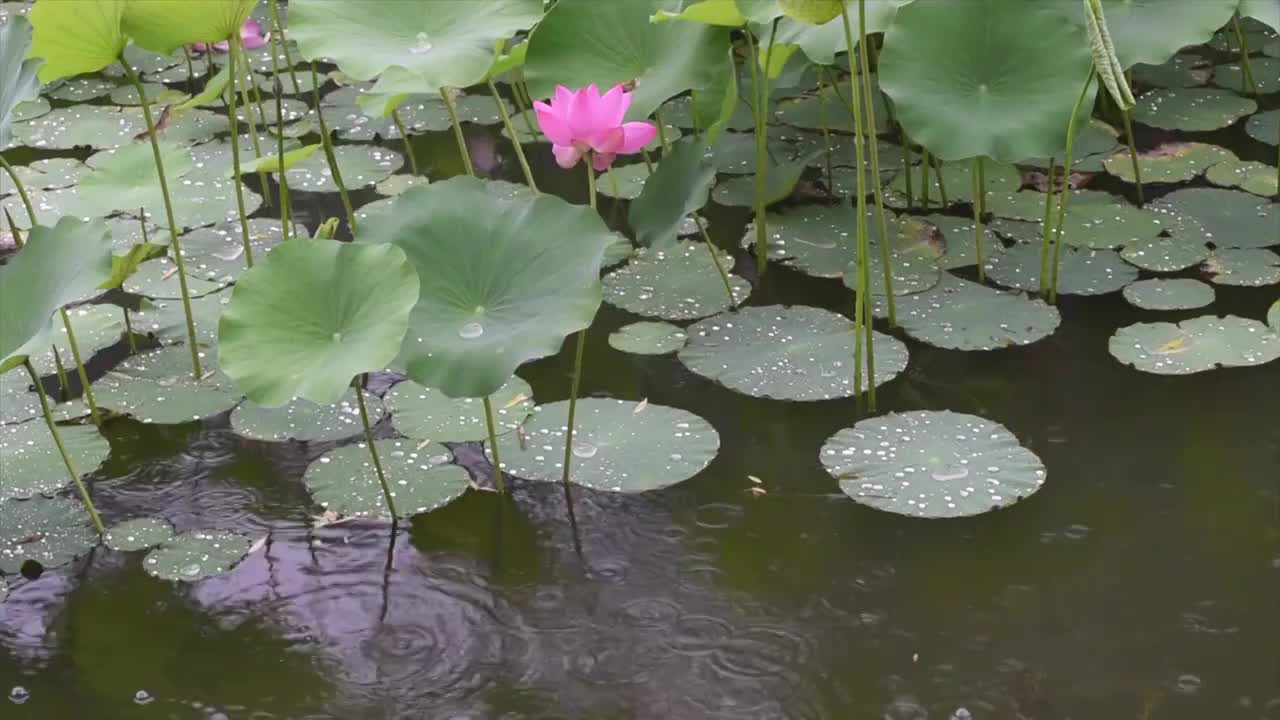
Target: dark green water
{"points": [[1143, 580]]}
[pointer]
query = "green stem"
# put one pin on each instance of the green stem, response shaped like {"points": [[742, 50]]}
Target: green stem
{"points": [[13, 230], [128, 329], [64, 385], [760, 117], [498, 481], [865, 72], [327, 141], [591, 180], [525, 106], [511, 133], [826, 131], [62, 449], [1066, 188], [711, 248], [942, 183], [863, 303], [662, 132], [168, 211], [979, 193], [575, 386], [1127, 115], [80, 371], [906, 165], [1247, 82], [191, 70], [408, 142], [1046, 225], [246, 98], [373, 450], [648, 161], [457, 132], [286, 210], [925, 165], [235, 157], [278, 32], [22, 191]]}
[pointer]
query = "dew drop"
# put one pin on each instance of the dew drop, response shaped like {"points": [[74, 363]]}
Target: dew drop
{"points": [[585, 450], [421, 45], [19, 695], [142, 697], [471, 331], [191, 570]]}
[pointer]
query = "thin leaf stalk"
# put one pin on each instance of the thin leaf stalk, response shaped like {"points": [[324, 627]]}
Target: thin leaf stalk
{"points": [[865, 71], [979, 199], [1066, 189], [407, 140], [22, 190], [863, 302], [1046, 224], [234, 121], [277, 30], [387, 495], [62, 450], [498, 481], [80, 370], [511, 133], [715, 260], [760, 119], [326, 140], [457, 132]]}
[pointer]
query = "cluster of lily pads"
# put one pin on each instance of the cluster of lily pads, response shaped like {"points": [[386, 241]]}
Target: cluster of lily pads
{"points": [[919, 151]]}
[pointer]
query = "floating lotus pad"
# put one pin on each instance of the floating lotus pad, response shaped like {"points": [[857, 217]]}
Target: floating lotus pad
{"points": [[421, 480], [1172, 294], [30, 110], [958, 179], [648, 338], [49, 530], [81, 89], [954, 237], [675, 284], [962, 315], [1246, 268], [1094, 143], [912, 272], [1191, 109], [1081, 271], [360, 165], [807, 111], [419, 113], [1170, 162], [1195, 345], [630, 180], [399, 184], [1095, 219], [138, 534], [818, 240], [1265, 127], [196, 555], [17, 402], [1226, 218], [31, 461], [618, 445], [157, 387], [166, 321], [785, 353], [1252, 177], [1182, 71], [158, 279], [933, 464], [49, 174], [156, 94], [1177, 252], [290, 110], [424, 413], [304, 420], [1266, 73], [1273, 316], [96, 327], [106, 126]]}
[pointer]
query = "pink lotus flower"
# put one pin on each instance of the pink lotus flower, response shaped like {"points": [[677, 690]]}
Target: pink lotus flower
{"points": [[251, 38], [580, 121]]}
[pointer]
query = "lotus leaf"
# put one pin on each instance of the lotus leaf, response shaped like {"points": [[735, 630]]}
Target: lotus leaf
{"points": [[1266, 73], [32, 464], [197, 554], [675, 284], [49, 530], [345, 481], [18, 81], [1252, 177], [1195, 345], [1191, 109], [1081, 271], [1170, 162], [1172, 294], [1226, 218], [425, 413], [157, 387], [138, 534], [77, 36], [1151, 31], [1265, 127], [302, 420], [681, 184], [166, 25], [360, 166], [1247, 268], [962, 315], [1177, 252]]}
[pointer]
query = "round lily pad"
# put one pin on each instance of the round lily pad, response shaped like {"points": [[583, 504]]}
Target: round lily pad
{"points": [[49, 174], [1170, 162], [618, 445], [138, 534], [1081, 271], [49, 530], [361, 165], [31, 460], [962, 315], [950, 236], [1177, 252], [156, 93], [1182, 70], [346, 482], [425, 413], [397, 184], [1093, 144], [158, 278], [786, 353], [218, 251], [80, 89], [933, 464], [158, 387], [675, 284], [196, 555], [1273, 316], [817, 240], [1265, 127], [648, 338], [290, 109], [629, 178], [1246, 268], [304, 420], [1095, 219], [912, 272], [1266, 73], [96, 327], [1226, 218], [1250, 176], [957, 177], [1191, 109], [1195, 345], [1170, 294], [17, 402], [30, 110]]}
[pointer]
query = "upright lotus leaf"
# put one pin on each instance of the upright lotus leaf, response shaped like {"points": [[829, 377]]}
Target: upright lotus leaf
{"points": [[444, 44], [1012, 68], [714, 106], [57, 265], [278, 163], [77, 36], [1264, 11], [312, 315], [18, 82], [814, 12], [707, 12], [580, 42], [1152, 31], [166, 25], [501, 283], [680, 185], [821, 43]]}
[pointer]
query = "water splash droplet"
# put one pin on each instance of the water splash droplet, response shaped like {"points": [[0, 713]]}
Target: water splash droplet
{"points": [[421, 45], [19, 695], [585, 450], [471, 331]]}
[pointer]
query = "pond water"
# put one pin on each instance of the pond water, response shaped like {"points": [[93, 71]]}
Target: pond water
{"points": [[1142, 581]]}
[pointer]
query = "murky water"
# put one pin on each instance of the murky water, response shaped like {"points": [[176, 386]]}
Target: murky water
{"points": [[1142, 581]]}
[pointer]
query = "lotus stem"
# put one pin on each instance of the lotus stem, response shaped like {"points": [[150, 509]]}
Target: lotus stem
{"points": [[511, 132], [80, 371], [13, 230], [168, 211], [498, 482], [408, 142], [62, 449], [247, 99], [286, 210], [761, 119], [373, 449], [1066, 188], [942, 184], [826, 131], [1246, 82], [715, 260], [906, 165], [865, 72], [1046, 224], [925, 164], [863, 303], [574, 388], [22, 191], [327, 141], [979, 191], [525, 106], [591, 180], [648, 161], [1127, 115], [128, 331], [278, 30], [457, 132], [235, 157], [64, 385], [662, 131]]}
